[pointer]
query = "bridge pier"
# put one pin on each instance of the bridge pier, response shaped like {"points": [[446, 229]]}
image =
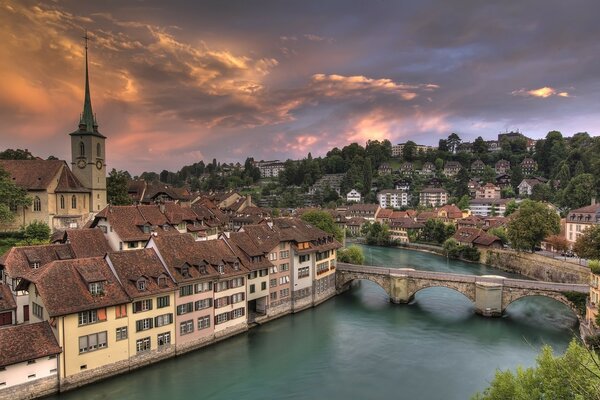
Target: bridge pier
{"points": [[488, 299], [399, 289]]}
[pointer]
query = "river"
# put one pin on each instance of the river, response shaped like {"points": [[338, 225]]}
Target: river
{"points": [[360, 346]]}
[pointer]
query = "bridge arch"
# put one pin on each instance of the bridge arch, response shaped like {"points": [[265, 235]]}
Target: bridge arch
{"points": [[511, 296], [466, 289], [344, 279]]}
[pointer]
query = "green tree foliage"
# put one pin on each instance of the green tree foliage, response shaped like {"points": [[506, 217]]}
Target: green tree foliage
{"points": [[595, 268], [117, 188], [456, 250], [35, 233], [542, 192], [378, 234], [18, 154], [378, 152], [510, 208], [464, 202], [480, 147], [533, 222], [500, 233], [11, 197], [588, 243], [453, 142], [436, 231], [574, 375], [409, 151], [516, 177], [351, 255], [324, 221], [579, 191]]}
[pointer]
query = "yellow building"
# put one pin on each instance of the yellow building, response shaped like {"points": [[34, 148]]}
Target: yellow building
{"points": [[87, 310], [151, 314], [592, 306]]}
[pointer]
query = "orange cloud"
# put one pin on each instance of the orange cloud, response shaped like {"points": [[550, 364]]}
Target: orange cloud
{"points": [[543, 92]]}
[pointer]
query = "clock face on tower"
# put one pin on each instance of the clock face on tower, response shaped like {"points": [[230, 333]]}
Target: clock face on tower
{"points": [[99, 164], [81, 163]]}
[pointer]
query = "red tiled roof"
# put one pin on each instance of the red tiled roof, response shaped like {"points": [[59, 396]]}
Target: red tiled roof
{"points": [[16, 343], [33, 174], [87, 242], [7, 300], [177, 251], [17, 261]]}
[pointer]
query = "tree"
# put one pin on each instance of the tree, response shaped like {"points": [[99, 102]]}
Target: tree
{"points": [[453, 142], [533, 222], [510, 208], [35, 233], [18, 154], [574, 375], [464, 202], [542, 192], [324, 221], [588, 243], [480, 146], [378, 234], [437, 231], [558, 243], [351, 255], [443, 145], [516, 176], [409, 151], [500, 233], [11, 197], [579, 191], [117, 188]]}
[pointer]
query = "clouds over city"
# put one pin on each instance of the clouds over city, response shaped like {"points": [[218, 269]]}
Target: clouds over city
{"points": [[174, 84]]}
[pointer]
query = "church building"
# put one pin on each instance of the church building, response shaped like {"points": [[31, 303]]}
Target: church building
{"points": [[62, 197]]}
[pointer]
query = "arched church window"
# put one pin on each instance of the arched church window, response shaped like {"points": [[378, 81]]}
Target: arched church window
{"points": [[81, 149], [37, 204], [98, 150], [62, 201], [73, 201]]}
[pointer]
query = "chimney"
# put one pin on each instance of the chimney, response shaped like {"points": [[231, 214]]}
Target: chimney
{"points": [[161, 206], [593, 200], [248, 200]]}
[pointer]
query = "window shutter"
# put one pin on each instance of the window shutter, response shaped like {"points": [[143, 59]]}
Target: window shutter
{"points": [[151, 323], [156, 321], [102, 314], [139, 325], [170, 318], [243, 296]]}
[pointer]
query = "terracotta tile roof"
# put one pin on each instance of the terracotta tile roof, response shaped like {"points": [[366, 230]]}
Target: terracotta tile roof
{"points": [[218, 252], [452, 211], [154, 189], [125, 220], [87, 242], [406, 223], [131, 266], [33, 174], [384, 213], [253, 256], [176, 213], [68, 183], [475, 236], [152, 214], [15, 343], [136, 189], [7, 300], [64, 286], [356, 221], [179, 252], [264, 236], [372, 208], [297, 230], [18, 260]]}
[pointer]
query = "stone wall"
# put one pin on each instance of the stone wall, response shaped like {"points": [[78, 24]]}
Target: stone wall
{"points": [[324, 295], [31, 390], [93, 375], [535, 266]]}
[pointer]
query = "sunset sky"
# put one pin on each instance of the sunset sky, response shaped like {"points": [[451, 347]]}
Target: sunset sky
{"points": [[179, 81]]}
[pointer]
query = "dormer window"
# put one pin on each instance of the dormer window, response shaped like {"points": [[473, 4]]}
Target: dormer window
{"points": [[202, 269], [185, 271], [146, 228], [96, 288], [34, 264], [236, 265], [162, 281], [141, 284], [165, 227], [221, 268]]}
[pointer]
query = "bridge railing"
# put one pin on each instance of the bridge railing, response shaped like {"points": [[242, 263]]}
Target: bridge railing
{"points": [[507, 282]]}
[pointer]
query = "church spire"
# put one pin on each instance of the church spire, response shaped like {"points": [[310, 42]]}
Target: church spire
{"points": [[87, 122]]}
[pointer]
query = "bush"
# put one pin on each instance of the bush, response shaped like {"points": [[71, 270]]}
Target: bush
{"points": [[351, 255], [594, 266]]}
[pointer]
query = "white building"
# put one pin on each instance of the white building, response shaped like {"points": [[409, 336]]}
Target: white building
{"points": [[269, 169], [392, 198], [433, 197], [28, 361], [484, 207], [353, 195]]}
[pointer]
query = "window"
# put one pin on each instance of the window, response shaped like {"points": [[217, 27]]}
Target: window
{"points": [[222, 302], [202, 304], [203, 287], [163, 320], [122, 333], [273, 282], [263, 272], [236, 265], [273, 256], [186, 327], [322, 267], [303, 272], [163, 339], [35, 264], [96, 288], [305, 258], [237, 313], [162, 302], [236, 298], [204, 322], [62, 202], [221, 269], [237, 282], [142, 344], [185, 308], [162, 281], [92, 316], [273, 270], [73, 201], [273, 296], [81, 149], [144, 324], [284, 254], [133, 245], [303, 245], [92, 342], [284, 279], [142, 305], [98, 148], [263, 285], [282, 246], [141, 283], [186, 290], [284, 267], [38, 310], [220, 286], [221, 318], [37, 204], [121, 311], [185, 271], [252, 288]]}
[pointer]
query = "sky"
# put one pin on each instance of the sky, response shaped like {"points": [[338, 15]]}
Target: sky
{"points": [[176, 82]]}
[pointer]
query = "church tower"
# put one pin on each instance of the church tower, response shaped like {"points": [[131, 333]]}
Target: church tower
{"points": [[88, 151]]}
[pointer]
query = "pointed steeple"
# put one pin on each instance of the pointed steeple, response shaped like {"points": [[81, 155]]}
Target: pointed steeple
{"points": [[87, 121]]}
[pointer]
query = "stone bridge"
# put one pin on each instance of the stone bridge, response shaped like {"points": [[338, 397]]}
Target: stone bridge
{"points": [[491, 294]]}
